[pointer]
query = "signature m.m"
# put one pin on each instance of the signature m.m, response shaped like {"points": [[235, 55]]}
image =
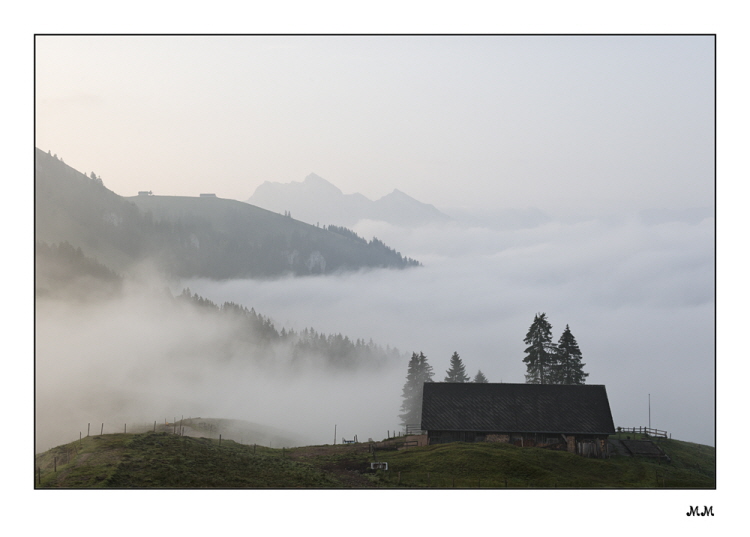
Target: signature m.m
{"points": [[695, 511]]}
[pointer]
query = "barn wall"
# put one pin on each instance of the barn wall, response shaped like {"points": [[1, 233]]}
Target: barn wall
{"points": [[583, 444], [505, 438]]}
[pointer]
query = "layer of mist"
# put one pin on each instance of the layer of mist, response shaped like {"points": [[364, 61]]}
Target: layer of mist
{"points": [[638, 297], [146, 357]]}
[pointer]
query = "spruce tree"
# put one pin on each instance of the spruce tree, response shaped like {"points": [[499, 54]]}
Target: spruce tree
{"points": [[480, 378], [570, 367], [457, 371], [425, 371], [541, 353], [419, 372], [409, 391]]}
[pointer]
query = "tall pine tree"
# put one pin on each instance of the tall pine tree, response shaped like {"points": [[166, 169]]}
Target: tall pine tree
{"points": [[419, 372], [457, 371], [569, 368], [541, 353]]}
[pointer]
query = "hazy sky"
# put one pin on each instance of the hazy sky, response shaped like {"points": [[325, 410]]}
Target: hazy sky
{"points": [[564, 124]]}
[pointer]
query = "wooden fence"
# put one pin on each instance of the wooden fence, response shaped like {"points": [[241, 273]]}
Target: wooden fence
{"points": [[644, 430]]}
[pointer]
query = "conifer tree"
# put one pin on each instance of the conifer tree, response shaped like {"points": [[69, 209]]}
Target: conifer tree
{"points": [[541, 353], [419, 372], [425, 370], [480, 378], [457, 371], [570, 368]]}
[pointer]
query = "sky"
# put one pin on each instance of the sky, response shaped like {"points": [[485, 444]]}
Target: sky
{"points": [[565, 124], [579, 126]]}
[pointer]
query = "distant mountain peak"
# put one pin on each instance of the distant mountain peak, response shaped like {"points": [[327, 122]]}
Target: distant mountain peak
{"points": [[316, 181], [398, 194], [316, 200]]}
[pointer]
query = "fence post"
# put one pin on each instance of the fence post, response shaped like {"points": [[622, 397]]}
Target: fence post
{"points": [[101, 433], [88, 432]]}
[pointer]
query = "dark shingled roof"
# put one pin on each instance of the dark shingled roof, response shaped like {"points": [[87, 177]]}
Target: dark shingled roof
{"points": [[518, 408]]}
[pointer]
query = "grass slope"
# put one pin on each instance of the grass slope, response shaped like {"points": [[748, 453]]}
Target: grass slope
{"points": [[162, 460], [505, 465]]}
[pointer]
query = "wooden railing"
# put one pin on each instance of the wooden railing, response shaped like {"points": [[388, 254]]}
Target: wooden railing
{"points": [[643, 430], [413, 428]]}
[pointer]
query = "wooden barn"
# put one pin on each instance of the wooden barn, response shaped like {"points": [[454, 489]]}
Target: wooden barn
{"points": [[576, 418]]}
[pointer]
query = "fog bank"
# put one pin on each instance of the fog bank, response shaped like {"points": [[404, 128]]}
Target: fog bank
{"points": [[638, 297], [144, 358]]}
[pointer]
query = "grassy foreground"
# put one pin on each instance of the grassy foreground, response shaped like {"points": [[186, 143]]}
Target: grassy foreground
{"points": [[162, 460]]}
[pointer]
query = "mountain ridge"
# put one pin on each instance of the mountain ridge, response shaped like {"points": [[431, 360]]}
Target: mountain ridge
{"points": [[317, 200], [189, 236]]}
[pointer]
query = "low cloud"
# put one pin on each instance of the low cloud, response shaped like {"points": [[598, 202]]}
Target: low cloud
{"points": [[145, 358], [639, 298]]}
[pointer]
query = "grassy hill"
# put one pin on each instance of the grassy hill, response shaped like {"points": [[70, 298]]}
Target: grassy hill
{"points": [[163, 460]]}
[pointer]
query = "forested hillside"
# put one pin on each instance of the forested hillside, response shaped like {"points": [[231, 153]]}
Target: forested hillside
{"points": [[259, 337], [189, 236]]}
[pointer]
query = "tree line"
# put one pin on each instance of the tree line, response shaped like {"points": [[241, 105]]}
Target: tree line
{"points": [[550, 363], [259, 333], [546, 363], [419, 372], [62, 270], [376, 245]]}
